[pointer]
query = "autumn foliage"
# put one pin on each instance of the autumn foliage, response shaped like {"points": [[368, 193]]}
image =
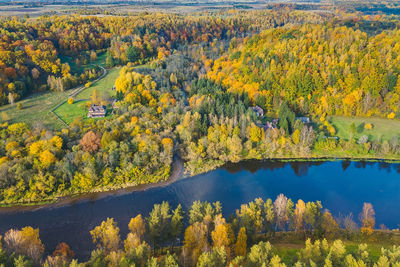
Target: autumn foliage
{"points": [[90, 142]]}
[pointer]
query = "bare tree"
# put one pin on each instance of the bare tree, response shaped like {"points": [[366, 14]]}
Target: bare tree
{"points": [[349, 224], [280, 210], [13, 241], [307, 136], [25, 241]]}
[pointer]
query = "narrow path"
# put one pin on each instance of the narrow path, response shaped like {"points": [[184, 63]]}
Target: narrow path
{"points": [[75, 92], [82, 87]]}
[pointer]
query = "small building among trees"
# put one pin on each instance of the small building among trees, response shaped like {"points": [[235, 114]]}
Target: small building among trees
{"points": [[97, 111], [271, 124], [259, 111], [305, 120]]}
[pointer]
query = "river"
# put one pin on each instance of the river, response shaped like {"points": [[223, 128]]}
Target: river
{"points": [[341, 186]]}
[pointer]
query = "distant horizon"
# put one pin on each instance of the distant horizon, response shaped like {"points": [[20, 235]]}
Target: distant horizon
{"points": [[168, 1]]}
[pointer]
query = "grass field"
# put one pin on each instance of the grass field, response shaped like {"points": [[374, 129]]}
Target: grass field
{"points": [[36, 109], [103, 86], [383, 129], [68, 112]]}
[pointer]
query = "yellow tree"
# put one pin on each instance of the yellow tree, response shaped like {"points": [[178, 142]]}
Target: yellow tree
{"points": [[241, 243], [106, 235], [137, 226], [329, 225], [255, 134], [296, 136], [95, 97], [196, 240], [299, 215], [47, 158], [222, 235]]}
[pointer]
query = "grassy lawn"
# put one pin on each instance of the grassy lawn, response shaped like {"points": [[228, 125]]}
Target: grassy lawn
{"points": [[68, 112], [103, 86], [383, 129], [36, 109]]}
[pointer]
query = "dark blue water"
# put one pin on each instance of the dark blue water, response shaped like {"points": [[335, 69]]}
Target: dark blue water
{"points": [[342, 187]]}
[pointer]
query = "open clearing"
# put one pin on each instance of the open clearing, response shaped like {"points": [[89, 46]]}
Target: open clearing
{"points": [[103, 86], [36, 109], [68, 112], [383, 129]]}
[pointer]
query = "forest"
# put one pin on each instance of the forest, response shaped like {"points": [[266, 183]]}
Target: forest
{"points": [[184, 93], [258, 234], [31, 50], [206, 88], [196, 99], [136, 144]]}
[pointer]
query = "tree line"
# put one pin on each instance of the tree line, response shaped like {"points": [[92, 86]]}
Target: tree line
{"points": [[203, 237]]}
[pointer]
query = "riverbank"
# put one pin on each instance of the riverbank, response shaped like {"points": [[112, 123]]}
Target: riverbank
{"points": [[98, 193], [210, 165], [341, 186], [179, 171]]}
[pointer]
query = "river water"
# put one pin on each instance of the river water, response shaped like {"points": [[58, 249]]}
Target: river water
{"points": [[341, 186]]}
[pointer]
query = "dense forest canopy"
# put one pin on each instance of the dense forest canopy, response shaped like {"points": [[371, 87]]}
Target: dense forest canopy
{"points": [[316, 69], [31, 49], [205, 88]]}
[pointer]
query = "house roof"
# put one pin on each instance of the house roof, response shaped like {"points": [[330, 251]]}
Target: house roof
{"points": [[97, 108], [258, 109], [304, 119]]}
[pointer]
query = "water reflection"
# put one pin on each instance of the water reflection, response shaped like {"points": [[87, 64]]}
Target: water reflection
{"points": [[300, 168], [341, 186], [345, 164]]}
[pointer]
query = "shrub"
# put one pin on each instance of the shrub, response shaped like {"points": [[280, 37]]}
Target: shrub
{"points": [[19, 106], [3, 160], [88, 84], [363, 139], [70, 100], [391, 115], [4, 116], [326, 144], [368, 126], [331, 130]]}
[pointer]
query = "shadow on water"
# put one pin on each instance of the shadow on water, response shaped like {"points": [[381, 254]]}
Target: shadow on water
{"points": [[299, 167], [341, 186]]}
